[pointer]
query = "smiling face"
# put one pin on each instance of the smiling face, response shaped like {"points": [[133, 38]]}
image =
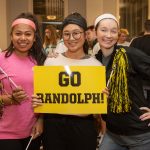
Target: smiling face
{"points": [[107, 33], [74, 37], [22, 38]]}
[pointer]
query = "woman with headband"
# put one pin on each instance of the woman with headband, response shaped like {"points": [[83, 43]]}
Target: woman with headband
{"points": [[127, 121], [70, 132], [18, 121]]}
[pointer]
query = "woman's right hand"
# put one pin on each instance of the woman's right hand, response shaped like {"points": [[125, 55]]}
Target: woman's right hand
{"points": [[36, 101]]}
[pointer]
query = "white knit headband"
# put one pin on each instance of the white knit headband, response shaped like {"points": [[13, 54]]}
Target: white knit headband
{"points": [[105, 16]]}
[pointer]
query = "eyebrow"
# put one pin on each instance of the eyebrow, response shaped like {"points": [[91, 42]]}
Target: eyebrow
{"points": [[111, 28], [73, 30], [22, 31]]}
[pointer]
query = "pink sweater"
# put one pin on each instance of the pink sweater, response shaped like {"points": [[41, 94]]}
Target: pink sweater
{"points": [[17, 120]]}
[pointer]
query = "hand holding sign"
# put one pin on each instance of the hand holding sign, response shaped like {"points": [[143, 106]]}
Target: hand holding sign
{"points": [[36, 101]]}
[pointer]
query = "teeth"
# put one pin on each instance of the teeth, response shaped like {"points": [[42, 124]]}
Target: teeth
{"points": [[22, 44]]}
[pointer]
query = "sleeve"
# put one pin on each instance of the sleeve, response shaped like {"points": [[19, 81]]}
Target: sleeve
{"points": [[140, 62], [133, 43]]}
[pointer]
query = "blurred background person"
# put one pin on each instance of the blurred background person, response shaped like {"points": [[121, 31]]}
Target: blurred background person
{"points": [[50, 39], [61, 48], [91, 40], [143, 43], [123, 37]]}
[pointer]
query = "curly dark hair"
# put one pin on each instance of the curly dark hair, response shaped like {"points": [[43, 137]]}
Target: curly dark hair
{"points": [[36, 51]]}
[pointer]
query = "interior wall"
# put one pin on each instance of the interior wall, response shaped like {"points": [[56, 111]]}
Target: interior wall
{"points": [[3, 24], [66, 8], [16, 7], [90, 9], [110, 7], [77, 6], [93, 9], [97, 7], [9, 9], [148, 9]]}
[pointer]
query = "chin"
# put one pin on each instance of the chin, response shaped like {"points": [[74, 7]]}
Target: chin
{"points": [[72, 49]]}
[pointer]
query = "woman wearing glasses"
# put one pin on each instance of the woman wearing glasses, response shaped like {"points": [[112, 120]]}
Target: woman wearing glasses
{"points": [[70, 132], [18, 121]]}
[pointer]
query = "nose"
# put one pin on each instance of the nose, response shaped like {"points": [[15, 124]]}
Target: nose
{"points": [[108, 34], [23, 37], [71, 37]]}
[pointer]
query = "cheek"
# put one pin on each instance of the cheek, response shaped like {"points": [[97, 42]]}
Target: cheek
{"points": [[99, 37], [32, 39], [13, 38], [65, 42], [99, 34], [116, 37], [14, 41], [82, 41]]}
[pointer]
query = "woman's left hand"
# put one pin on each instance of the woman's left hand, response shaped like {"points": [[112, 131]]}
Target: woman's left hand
{"points": [[106, 91], [146, 114]]}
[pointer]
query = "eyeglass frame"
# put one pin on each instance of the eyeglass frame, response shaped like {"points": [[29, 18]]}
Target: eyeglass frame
{"points": [[72, 34]]}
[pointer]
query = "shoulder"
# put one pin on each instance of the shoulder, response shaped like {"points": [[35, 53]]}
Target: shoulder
{"points": [[4, 60], [94, 62], [2, 55], [136, 40], [134, 52], [54, 60]]}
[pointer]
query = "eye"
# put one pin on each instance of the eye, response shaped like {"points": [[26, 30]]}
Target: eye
{"points": [[103, 30], [76, 33], [17, 33], [66, 34], [114, 31], [28, 34]]}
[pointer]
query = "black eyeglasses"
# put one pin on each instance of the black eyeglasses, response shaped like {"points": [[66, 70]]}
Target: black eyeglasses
{"points": [[76, 35]]}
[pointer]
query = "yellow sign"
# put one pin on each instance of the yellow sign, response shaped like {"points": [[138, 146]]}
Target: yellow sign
{"points": [[70, 89]]}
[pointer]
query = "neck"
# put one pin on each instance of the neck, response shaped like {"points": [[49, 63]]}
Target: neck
{"points": [[21, 54], [75, 55], [107, 52]]}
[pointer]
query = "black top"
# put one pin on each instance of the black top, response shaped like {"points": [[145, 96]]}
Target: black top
{"points": [[139, 66], [142, 43]]}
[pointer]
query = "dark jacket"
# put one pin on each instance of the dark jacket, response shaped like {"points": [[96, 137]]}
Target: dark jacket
{"points": [[142, 43]]}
